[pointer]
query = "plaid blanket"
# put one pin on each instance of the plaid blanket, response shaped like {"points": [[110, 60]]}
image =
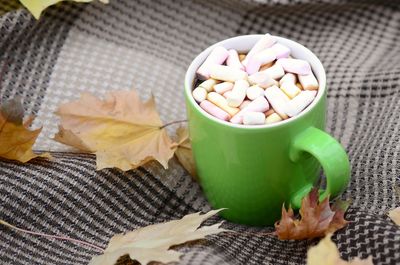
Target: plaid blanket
{"points": [[147, 45]]}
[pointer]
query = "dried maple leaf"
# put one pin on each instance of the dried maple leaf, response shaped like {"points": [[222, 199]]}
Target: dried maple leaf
{"points": [[16, 140], [395, 215], [184, 151], [121, 130], [317, 219], [36, 7], [153, 242], [326, 252]]}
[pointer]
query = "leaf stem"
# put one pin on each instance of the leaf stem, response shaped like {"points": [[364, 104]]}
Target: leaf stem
{"points": [[171, 123], [52, 236]]}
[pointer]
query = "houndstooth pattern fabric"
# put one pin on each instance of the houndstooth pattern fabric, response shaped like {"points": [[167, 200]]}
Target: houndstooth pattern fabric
{"points": [[147, 45]]}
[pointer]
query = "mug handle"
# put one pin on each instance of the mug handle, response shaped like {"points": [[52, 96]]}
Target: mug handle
{"points": [[330, 155]]}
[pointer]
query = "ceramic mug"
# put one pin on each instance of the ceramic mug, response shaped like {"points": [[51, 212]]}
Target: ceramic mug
{"points": [[253, 170]]}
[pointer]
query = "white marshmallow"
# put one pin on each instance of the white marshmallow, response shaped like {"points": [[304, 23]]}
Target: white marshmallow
{"points": [[253, 118], [209, 84], [295, 66], [244, 104], [273, 118], [264, 57], [289, 77], [199, 94], [265, 42], [217, 56], [263, 79], [221, 88], [233, 60], [280, 51], [226, 73], [220, 101], [276, 71], [260, 104], [290, 89], [309, 82], [254, 92], [299, 103], [238, 93], [277, 99]]}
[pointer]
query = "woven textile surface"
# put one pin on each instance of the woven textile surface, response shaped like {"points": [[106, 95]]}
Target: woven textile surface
{"points": [[147, 45]]}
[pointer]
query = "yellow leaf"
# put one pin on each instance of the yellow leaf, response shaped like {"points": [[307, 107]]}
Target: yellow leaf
{"points": [[395, 215], [326, 253], [16, 140], [153, 242], [36, 7], [184, 151], [121, 130]]}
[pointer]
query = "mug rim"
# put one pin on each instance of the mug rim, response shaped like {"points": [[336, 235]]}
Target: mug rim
{"points": [[316, 66]]}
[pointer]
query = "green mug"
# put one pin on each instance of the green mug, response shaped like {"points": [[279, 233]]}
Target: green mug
{"points": [[253, 170]]}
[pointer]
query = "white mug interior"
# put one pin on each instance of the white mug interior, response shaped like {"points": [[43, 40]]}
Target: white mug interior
{"points": [[243, 44]]}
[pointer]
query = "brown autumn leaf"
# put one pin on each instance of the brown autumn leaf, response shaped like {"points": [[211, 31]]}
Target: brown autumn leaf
{"points": [[317, 219], [395, 215], [16, 140], [184, 151], [326, 253], [153, 243], [121, 130]]}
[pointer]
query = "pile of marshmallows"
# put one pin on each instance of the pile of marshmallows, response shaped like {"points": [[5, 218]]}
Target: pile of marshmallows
{"points": [[240, 88]]}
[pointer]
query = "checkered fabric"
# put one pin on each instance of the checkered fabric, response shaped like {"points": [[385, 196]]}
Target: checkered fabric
{"points": [[147, 45]]}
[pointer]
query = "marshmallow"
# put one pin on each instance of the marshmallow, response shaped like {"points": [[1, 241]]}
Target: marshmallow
{"points": [[263, 79], [277, 99], [308, 82], [260, 104], [217, 56], [273, 118], [253, 118], [299, 103], [238, 93], [254, 92], [269, 112], [223, 87], [199, 94], [295, 66], [209, 84], [244, 104], [276, 71], [234, 61], [289, 77], [214, 110], [266, 66], [290, 89], [254, 63], [226, 73], [220, 101], [280, 51], [265, 42], [227, 94]]}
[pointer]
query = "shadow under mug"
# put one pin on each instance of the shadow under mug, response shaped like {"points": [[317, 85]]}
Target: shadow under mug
{"points": [[253, 170]]}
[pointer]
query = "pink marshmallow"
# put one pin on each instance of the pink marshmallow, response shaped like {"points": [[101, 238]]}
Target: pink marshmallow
{"points": [[233, 60], [266, 41], [280, 51], [260, 104], [261, 58], [217, 56], [214, 110], [295, 66]]}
